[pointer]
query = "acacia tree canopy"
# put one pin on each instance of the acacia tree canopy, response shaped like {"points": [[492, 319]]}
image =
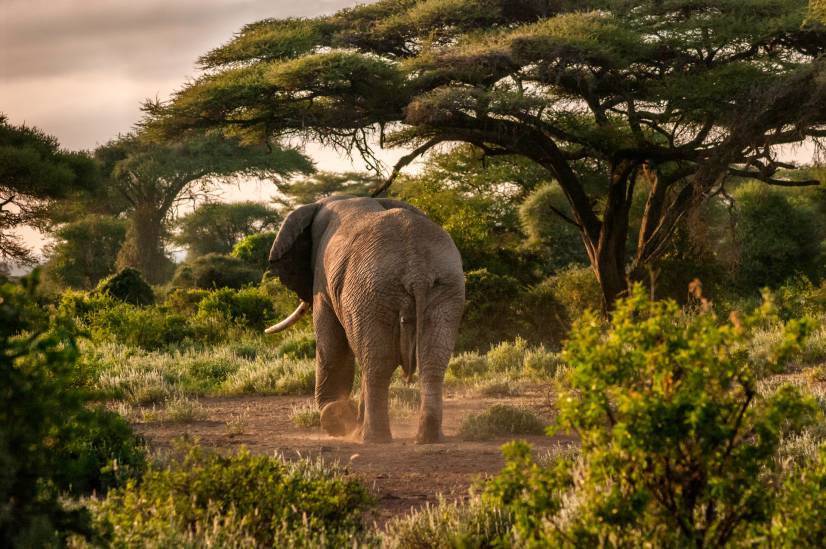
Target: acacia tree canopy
{"points": [[33, 172], [153, 177], [603, 94]]}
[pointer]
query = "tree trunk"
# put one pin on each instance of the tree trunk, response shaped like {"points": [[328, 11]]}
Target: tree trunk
{"points": [[143, 248], [608, 255]]}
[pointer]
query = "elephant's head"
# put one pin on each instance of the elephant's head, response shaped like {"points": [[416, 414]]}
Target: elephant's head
{"points": [[291, 259]]}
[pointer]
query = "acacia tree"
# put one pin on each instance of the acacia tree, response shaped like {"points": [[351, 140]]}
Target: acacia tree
{"points": [[614, 98], [33, 172], [153, 177]]}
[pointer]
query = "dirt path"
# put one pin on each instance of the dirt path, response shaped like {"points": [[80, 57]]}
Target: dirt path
{"points": [[401, 474]]}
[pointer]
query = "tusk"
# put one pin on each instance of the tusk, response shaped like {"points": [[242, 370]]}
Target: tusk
{"points": [[290, 320]]}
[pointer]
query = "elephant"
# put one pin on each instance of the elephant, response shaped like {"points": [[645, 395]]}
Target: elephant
{"points": [[386, 289]]}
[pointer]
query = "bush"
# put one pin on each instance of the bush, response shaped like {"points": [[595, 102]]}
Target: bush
{"points": [[467, 365], [49, 442], [778, 236], [148, 328], [499, 421], [263, 501], [678, 446], [128, 286], [216, 271], [448, 525], [101, 452], [508, 356], [490, 303], [248, 306], [254, 250]]}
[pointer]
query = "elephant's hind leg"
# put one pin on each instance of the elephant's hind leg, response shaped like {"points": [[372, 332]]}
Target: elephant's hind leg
{"points": [[335, 370], [376, 375]]}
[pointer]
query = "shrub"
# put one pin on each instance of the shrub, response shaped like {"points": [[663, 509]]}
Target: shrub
{"points": [[508, 356], [49, 442], [501, 420], [101, 452], [448, 525], [677, 444], [778, 236], [467, 365], [490, 303], [148, 328], [264, 500], [254, 250], [128, 286], [215, 271], [248, 306], [799, 517]]}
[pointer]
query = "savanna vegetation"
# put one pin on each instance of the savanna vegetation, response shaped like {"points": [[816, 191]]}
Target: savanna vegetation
{"points": [[639, 246]]}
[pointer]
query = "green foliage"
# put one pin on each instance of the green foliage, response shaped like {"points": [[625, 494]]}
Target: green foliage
{"points": [[556, 239], [247, 306], [216, 271], [309, 189], [489, 307], [49, 441], [263, 501], [254, 250], [501, 420], [448, 525], [86, 250], [128, 286], [798, 519], [100, 452], [678, 446], [33, 171], [594, 94], [152, 175], [217, 227], [778, 235]]}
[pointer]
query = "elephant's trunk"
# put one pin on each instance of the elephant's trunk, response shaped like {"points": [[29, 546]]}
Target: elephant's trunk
{"points": [[290, 320]]}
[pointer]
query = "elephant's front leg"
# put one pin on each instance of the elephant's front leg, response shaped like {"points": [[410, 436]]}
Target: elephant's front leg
{"points": [[335, 370]]}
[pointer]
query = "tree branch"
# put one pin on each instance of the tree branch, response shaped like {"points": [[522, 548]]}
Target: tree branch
{"points": [[404, 161], [772, 181]]}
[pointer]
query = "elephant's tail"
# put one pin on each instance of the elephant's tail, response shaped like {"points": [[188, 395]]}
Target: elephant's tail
{"points": [[420, 295]]}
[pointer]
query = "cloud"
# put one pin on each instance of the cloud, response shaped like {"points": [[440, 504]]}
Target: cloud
{"points": [[80, 68]]}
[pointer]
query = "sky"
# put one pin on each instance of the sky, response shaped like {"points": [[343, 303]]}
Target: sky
{"points": [[79, 69]]}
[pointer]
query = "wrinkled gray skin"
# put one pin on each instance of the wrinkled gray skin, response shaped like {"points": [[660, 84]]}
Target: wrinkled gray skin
{"points": [[387, 289]]}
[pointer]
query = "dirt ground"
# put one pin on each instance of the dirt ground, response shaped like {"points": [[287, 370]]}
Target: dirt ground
{"points": [[402, 475]]}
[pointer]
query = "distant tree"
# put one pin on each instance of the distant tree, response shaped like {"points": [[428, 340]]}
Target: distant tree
{"points": [[153, 177], [216, 227], [86, 250], [33, 172], [603, 94]]}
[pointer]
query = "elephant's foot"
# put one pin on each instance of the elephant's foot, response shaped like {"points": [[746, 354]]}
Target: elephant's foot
{"points": [[339, 418], [365, 434], [376, 437], [430, 438], [430, 432]]}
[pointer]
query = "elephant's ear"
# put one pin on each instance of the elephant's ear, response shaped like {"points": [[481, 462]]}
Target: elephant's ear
{"points": [[390, 203], [291, 253]]}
